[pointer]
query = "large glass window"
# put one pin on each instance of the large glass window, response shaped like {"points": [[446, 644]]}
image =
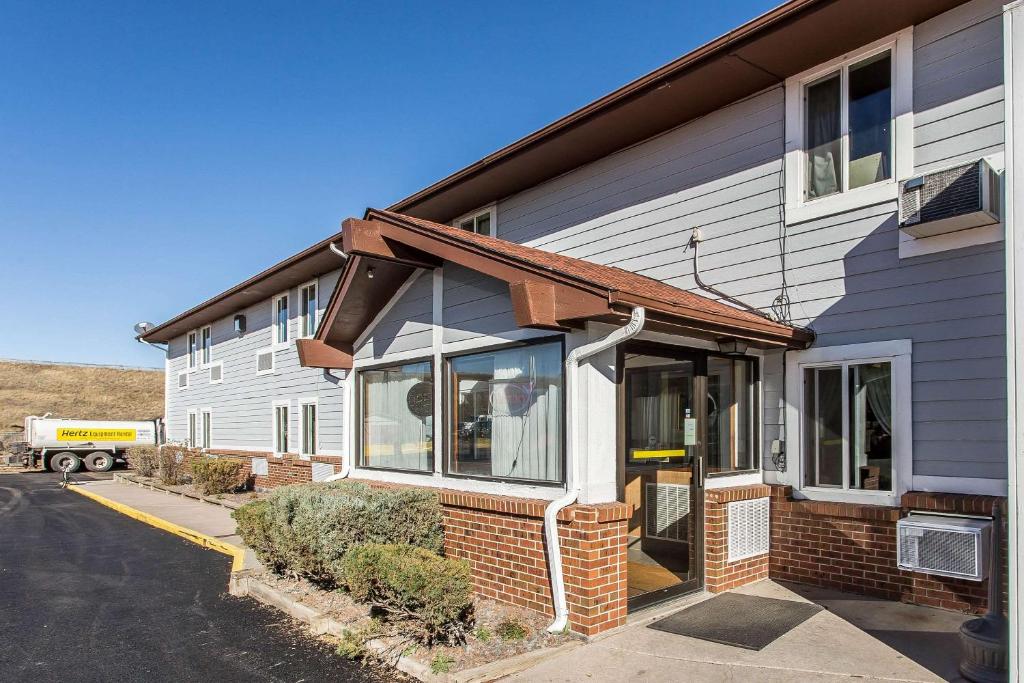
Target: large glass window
{"points": [[207, 344], [848, 426], [731, 410], [193, 349], [397, 415], [848, 127], [506, 414]]}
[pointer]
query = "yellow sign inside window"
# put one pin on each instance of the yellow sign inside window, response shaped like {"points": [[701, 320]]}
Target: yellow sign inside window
{"points": [[666, 453], [85, 434]]}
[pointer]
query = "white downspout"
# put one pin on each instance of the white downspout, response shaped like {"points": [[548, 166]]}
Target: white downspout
{"points": [[572, 489], [346, 462]]}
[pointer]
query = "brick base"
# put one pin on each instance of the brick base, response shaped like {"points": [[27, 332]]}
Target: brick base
{"points": [[281, 470], [503, 540], [720, 574], [853, 548]]}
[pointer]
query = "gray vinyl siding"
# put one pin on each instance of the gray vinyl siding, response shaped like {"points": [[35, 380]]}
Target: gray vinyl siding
{"points": [[406, 327], [242, 404], [475, 305], [724, 173]]}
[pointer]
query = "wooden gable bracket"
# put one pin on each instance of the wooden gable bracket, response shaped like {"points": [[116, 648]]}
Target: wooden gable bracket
{"points": [[314, 353], [553, 306], [368, 238]]}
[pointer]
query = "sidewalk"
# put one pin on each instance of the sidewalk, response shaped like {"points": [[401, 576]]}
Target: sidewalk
{"points": [[853, 638], [208, 520]]}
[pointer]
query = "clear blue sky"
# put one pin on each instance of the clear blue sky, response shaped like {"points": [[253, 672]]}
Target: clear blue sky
{"points": [[153, 153]]}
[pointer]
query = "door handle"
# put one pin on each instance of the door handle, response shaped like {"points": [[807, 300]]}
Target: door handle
{"points": [[700, 471]]}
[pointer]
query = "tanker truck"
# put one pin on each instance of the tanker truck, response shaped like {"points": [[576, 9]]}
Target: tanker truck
{"points": [[59, 444]]}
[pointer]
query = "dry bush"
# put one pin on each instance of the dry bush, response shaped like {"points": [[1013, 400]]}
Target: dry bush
{"points": [[172, 464], [144, 460], [91, 393], [211, 476]]}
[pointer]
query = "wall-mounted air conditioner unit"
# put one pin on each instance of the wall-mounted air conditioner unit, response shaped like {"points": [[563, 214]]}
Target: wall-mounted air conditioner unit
{"points": [[947, 546], [953, 199]]}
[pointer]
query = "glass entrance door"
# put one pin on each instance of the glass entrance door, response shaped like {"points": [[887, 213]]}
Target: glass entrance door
{"points": [[660, 472]]}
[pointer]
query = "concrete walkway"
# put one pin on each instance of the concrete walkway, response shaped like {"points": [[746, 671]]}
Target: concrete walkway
{"points": [[854, 637], [207, 519]]}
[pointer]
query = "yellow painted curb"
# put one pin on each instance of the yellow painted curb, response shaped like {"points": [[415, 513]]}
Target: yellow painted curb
{"points": [[237, 554]]}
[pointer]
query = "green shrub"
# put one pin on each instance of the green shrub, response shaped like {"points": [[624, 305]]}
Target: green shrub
{"points": [[310, 527], [143, 459], [352, 644], [510, 629], [171, 464], [220, 475], [254, 526], [483, 634], [412, 583]]}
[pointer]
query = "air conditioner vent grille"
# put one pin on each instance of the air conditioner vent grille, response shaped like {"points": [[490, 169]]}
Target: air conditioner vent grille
{"points": [[259, 467], [216, 372], [748, 528], [668, 511], [322, 470], [954, 547], [265, 361]]}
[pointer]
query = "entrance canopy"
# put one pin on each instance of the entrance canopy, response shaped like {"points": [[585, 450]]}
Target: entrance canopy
{"points": [[548, 291]]}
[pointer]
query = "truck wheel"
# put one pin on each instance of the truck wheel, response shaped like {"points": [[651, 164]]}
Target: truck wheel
{"points": [[99, 461], [65, 459]]}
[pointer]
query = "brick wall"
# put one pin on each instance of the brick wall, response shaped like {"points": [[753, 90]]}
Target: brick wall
{"points": [[286, 469], [853, 548], [503, 540], [720, 574]]}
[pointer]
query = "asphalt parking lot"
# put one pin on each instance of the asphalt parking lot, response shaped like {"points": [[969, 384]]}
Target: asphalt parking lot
{"points": [[87, 594]]}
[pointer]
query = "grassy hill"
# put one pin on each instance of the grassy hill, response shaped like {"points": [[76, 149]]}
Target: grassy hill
{"points": [[79, 391]]}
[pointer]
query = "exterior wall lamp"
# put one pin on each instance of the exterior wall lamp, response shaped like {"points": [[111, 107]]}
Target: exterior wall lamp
{"points": [[730, 346]]}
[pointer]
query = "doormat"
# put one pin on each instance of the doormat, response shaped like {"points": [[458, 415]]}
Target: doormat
{"points": [[746, 621]]}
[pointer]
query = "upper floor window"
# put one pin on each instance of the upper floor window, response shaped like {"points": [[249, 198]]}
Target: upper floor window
{"points": [[480, 222], [281, 319], [193, 349], [206, 341], [849, 130], [506, 414], [307, 310]]}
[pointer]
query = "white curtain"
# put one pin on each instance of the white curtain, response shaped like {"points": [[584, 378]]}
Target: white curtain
{"points": [[392, 435], [526, 420]]}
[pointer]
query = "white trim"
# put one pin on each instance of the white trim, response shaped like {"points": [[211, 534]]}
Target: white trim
{"points": [[721, 481], [275, 325], [896, 352], [368, 330], [490, 209], [315, 284], [273, 361], [1013, 104], [302, 403], [211, 366], [203, 361], [797, 210], [192, 350], [273, 427], [436, 342], [399, 358], [512, 336], [434, 479], [191, 427], [188, 380]]}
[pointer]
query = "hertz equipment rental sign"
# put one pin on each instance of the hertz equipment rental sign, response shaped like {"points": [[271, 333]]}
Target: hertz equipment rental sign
{"points": [[86, 434]]}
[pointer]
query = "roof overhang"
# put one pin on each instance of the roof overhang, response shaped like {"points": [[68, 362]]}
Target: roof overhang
{"points": [[385, 249], [292, 272], [761, 53]]}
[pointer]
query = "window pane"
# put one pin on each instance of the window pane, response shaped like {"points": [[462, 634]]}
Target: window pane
{"points": [[823, 436], [824, 138], [207, 344], [660, 400], [467, 225], [870, 120], [192, 347], [308, 429], [730, 415], [308, 310], [871, 426], [206, 430], [397, 406], [507, 413], [281, 429], [483, 224], [282, 320]]}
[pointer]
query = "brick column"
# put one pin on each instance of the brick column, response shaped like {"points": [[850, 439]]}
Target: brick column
{"points": [[720, 574]]}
